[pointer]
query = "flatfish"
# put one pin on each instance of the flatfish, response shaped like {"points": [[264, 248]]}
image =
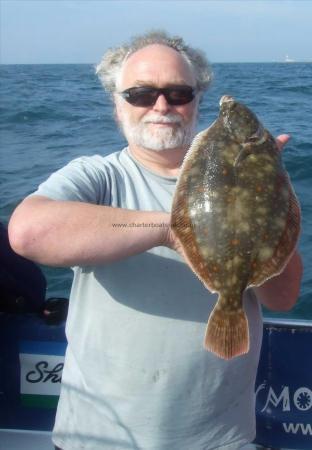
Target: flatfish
{"points": [[236, 217]]}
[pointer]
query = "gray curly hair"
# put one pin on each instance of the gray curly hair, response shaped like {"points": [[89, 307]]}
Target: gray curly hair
{"points": [[109, 69]]}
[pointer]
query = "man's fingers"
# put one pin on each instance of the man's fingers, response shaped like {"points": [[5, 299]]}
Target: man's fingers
{"points": [[282, 140]]}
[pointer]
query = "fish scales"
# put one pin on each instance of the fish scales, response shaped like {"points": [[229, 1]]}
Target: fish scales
{"points": [[236, 217]]}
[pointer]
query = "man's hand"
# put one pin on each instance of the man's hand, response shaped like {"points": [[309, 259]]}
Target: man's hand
{"points": [[172, 241], [282, 140]]}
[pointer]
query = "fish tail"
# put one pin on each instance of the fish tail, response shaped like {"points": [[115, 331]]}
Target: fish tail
{"points": [[227, 333]]}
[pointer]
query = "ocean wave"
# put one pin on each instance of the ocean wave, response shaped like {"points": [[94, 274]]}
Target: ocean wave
{"points": [[42, 114]]}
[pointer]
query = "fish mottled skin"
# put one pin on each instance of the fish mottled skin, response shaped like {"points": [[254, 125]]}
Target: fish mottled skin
{"points": [[236, 217]]}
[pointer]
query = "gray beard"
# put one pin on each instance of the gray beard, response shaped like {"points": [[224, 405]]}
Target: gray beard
{"points": [[161, 139]]}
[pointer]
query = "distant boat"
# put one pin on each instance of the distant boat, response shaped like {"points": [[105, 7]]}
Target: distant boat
{"points": [[289, 60]]}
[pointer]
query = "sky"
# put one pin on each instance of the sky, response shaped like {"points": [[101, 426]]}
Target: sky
{"points": [[80, 31]]}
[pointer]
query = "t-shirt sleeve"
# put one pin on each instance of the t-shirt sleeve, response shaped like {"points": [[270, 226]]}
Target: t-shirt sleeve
{"points": [[80, 180]]}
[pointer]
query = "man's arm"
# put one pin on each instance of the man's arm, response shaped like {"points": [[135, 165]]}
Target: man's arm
{"points": [[64, 233], [281, 292]]}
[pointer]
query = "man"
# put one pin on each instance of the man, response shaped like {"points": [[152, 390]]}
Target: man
{"points": [[136, 375]]}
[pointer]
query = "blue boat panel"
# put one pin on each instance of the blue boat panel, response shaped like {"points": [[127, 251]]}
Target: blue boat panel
{"points": [[284, 387]]}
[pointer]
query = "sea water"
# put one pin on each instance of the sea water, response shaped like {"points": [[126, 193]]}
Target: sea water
{"points": [[50, 114]]}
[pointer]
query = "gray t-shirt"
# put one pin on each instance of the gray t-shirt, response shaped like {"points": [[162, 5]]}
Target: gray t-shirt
{"points": [[136, 374]]}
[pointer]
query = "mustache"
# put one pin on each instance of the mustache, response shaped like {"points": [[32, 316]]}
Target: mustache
{"points": [[168, 118]]}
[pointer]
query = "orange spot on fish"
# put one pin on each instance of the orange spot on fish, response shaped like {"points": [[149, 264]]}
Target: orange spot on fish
{"points": [[234, 242]]}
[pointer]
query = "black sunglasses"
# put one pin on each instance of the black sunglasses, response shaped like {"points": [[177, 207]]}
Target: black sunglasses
{"points": [[147, 96]]}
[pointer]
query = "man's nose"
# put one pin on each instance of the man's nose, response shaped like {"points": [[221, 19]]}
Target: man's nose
{"points": [[161, 104]]}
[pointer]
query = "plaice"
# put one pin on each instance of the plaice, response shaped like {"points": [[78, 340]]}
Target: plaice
{"points": [[236, 217]]}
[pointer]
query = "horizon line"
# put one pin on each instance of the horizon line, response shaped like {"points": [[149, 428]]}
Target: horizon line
{"points": [[93, 63]]}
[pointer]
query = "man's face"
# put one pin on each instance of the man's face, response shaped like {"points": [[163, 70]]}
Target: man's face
{"points": [[161, 126]]}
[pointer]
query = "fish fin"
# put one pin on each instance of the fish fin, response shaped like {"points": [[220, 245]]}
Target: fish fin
{"points": [[227, 333], [183, 230]]}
